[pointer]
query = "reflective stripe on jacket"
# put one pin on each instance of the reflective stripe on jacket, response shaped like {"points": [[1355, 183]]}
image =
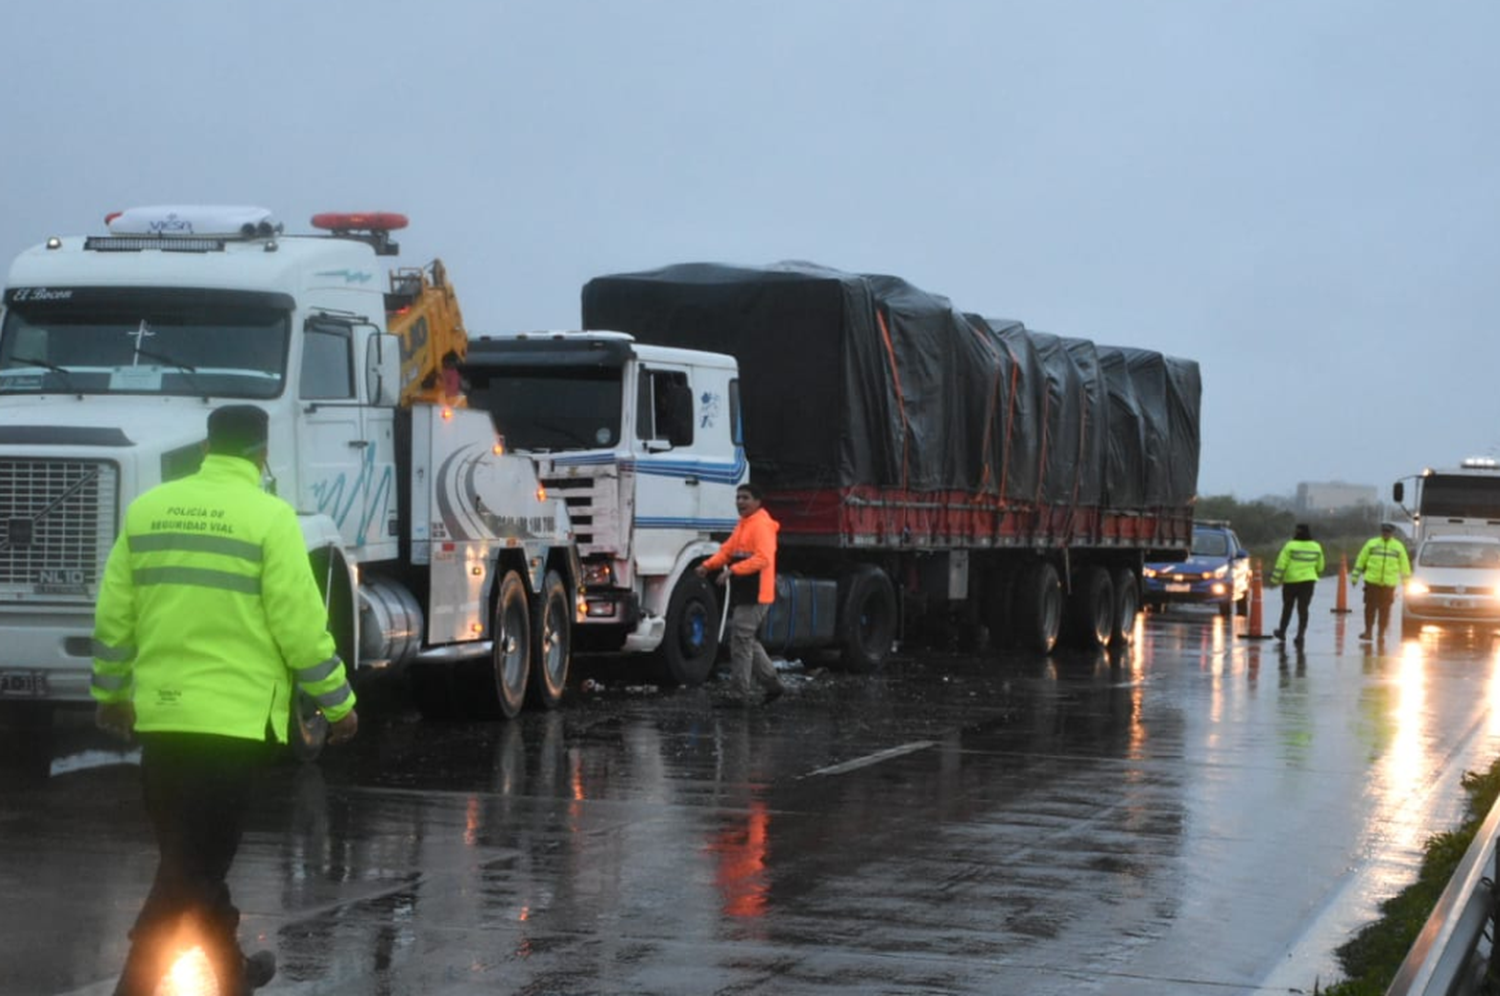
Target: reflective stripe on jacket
{"points": [[751, 548], [1299, 560], [208, 611], [1383, 562]]}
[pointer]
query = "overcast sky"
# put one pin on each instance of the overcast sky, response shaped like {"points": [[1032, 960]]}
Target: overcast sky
{"points": [[1299, 194]]}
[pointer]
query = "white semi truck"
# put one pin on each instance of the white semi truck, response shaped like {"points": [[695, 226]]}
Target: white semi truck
{"points": [[432, 543]]}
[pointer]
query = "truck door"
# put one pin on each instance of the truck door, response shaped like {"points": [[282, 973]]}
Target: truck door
{"points": [[685, 477], [345, 470]]}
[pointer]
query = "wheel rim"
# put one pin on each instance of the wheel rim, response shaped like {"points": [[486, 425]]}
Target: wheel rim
{"points": [[552, 641], [512, 655], [692, 635]]}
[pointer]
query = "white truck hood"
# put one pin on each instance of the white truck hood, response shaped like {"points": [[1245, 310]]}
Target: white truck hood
{"points": [[58, 424]]}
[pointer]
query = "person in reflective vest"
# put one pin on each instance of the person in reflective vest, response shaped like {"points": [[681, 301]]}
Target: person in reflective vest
{"points": [[747, 565], [208, 618], [1383, 564], [1298, 567]]}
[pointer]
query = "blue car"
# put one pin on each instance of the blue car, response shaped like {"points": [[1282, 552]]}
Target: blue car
{"points": [[1216, 572]]}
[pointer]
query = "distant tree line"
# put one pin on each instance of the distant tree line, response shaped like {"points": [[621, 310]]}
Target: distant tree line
{"points": [[1264, 527]]}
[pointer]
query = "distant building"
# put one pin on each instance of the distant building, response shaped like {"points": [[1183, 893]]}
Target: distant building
{"points": [[1326, 497]]}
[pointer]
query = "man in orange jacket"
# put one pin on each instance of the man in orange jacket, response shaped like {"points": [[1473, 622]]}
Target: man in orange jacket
{"points": [[748, 559]]}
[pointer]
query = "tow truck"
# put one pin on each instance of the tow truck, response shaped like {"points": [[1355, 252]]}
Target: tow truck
{"points": [[432, 544]]}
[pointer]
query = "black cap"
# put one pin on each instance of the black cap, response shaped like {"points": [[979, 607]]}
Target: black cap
{"points": [[1387, 527], [237, 430]]}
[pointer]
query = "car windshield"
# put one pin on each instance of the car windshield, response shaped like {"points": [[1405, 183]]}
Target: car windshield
{"points": [[164, 341], [1456, 553], [1207, 544]]}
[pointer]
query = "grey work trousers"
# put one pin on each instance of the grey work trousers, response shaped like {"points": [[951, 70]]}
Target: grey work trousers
{"points": [[747, 658]]}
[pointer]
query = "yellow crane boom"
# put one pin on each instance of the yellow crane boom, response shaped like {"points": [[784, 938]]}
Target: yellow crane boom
{"points": [[422, 309]]}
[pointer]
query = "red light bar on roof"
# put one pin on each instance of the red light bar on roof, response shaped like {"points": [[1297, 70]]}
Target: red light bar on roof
{"points": [[359, 221]]}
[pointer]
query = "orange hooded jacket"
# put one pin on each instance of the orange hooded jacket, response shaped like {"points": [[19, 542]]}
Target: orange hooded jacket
{"points": [[751, 548]]}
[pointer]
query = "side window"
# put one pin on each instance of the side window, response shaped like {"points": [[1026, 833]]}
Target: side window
{"points": [[327, 363], [736, 426], [664, 409]]}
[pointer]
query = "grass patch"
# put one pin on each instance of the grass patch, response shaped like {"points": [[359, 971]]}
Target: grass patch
{"points": [[1370, 959]]}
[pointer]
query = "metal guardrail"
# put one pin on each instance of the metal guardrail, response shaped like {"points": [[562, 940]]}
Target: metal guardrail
{"points": [[1452, 952]]}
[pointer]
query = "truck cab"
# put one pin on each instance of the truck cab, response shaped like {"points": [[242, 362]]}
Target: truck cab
{"points": [[643, 444]]}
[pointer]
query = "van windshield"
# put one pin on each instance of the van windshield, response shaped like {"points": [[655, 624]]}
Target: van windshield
{"points": [[163, 341]]}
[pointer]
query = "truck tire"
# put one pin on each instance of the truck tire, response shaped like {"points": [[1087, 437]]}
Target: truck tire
{"points": [[691, 645], [867, 620], [1127, 607], [551, 656], [1091, 608], [511, 656], [1039, 601]]}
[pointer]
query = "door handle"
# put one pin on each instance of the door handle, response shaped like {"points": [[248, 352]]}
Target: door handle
{"points": [[691, 482]]}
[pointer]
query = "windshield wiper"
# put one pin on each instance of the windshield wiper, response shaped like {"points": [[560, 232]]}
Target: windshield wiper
{"points": [[45, 365], [186, 368]]}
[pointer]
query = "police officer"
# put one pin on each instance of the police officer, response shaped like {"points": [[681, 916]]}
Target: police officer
{"points": [[208, 617], [1383, 564], [1298, 567]]}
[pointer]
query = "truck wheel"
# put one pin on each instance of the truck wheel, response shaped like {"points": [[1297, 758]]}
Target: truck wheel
{"points": [[1039, 608], [1091, 608], [867, 620], [1243, 605], [551, 656], [511, 633], [1127, 607], [1226, 607], [306, 728], [687, 652]]}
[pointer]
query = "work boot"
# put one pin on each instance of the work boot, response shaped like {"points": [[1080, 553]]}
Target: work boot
{"points": [[1298, 642], [773, 693], [1280, 635], [1364, 637]]}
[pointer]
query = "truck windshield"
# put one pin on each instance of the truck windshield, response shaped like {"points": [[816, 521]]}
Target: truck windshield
{"points": [[1459, 496], [92, 340], [551, 408]]}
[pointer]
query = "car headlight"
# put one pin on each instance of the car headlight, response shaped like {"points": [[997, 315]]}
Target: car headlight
{"points": [[1148, 572], [1417, 587], [1221, 571]]}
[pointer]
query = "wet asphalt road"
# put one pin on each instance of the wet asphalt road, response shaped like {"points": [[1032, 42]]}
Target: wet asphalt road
{"points": [[1202, 815]]}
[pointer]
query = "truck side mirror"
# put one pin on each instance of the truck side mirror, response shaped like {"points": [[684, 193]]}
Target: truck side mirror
{"points": [[383, 369], [1398, 491]]}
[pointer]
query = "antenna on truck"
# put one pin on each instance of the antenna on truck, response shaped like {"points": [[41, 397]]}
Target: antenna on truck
{"points": [[374, 227]]}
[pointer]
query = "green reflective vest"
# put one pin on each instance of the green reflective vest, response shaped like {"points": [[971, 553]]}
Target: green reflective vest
{"points": [[209, 611], [1383, 562], [1299, 560]]}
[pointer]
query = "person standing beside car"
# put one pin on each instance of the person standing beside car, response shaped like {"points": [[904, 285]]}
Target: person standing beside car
{"points": [[208, 622], [1298, 567], [1383, 564]]}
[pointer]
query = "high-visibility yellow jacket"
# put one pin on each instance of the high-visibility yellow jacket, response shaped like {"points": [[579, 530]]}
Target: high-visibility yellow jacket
{"points": [[209, 610], [1299, 560], [1383, 562]]}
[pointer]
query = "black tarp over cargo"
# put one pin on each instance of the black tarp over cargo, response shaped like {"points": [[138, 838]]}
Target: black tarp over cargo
{"points": [[853, 381]]}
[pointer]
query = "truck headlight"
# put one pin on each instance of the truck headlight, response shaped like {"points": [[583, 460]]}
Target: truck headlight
{"points": [[1417, 587]]}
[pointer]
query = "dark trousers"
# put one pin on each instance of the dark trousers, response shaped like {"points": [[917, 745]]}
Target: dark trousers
{"points": [[1378, 601], [1298, 595], [197, 794]]}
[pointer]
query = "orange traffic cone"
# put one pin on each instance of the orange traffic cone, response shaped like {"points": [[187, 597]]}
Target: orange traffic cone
{"points": [[1252, 629], [1342, 608]]}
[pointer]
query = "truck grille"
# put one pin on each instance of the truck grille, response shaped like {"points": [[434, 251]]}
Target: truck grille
{"points": [[57, 523]]}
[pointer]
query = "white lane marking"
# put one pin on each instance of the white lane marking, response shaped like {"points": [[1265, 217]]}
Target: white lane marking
{"points": [[93, 759], [875, 758]]}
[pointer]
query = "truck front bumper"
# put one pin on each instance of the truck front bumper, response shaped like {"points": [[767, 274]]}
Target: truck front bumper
{"points": [[46, 658]]}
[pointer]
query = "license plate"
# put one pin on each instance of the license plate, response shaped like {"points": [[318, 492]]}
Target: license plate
{"points": [[23, 685], [1179, 588], [1457, 603]]}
